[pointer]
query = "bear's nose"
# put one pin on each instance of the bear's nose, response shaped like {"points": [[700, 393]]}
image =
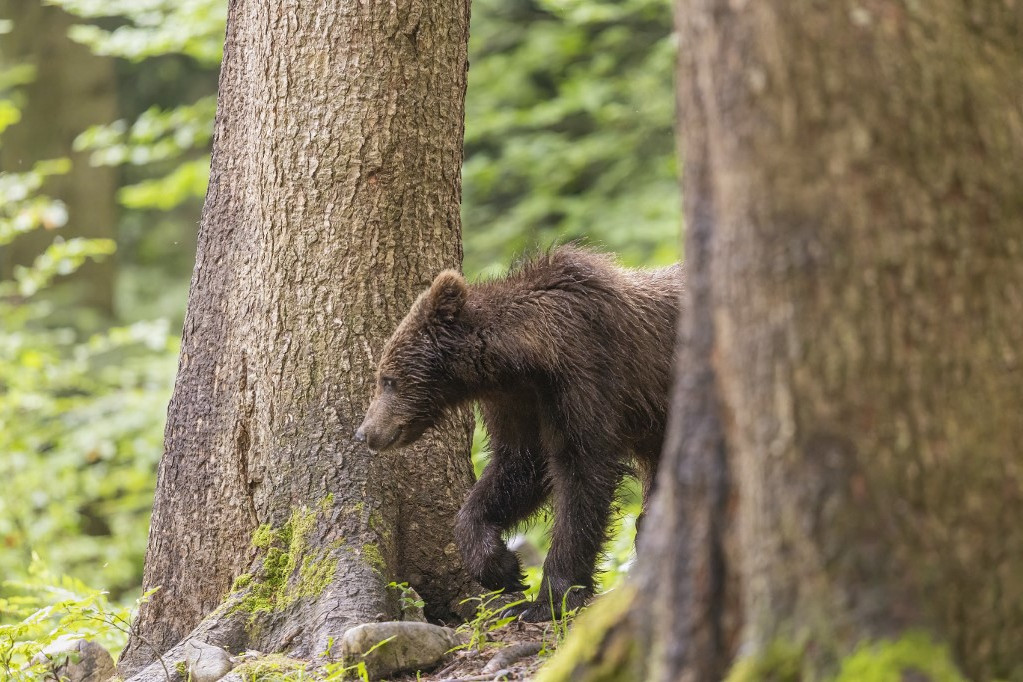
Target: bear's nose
{"points": [[360, 435]]}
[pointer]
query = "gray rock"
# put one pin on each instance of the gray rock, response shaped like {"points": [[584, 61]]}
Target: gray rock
{"points": [[206, 663], [407, 646], [77, 660]]}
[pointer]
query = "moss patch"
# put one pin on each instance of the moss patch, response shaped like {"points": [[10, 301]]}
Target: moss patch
{"points": [[371, 553], [264, 536], [271, 668], [286, 549], [780, 662], [242, 581], [913, 655], [376, 524], [315, 575]]}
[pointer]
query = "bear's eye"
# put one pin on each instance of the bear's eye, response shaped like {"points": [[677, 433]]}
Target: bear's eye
{"points": [[388, 383]]}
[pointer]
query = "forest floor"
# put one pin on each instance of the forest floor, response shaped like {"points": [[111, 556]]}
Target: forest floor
{"points": [[536, 640]]}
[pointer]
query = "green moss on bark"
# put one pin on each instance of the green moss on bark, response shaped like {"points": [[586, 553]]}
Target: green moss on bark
{"points": [[371, 553], [272, 667], [782, 661], [242, 581], [264, 536], [278, 584], [914, 655]]}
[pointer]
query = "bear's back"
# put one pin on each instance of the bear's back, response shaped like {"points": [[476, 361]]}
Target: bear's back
{"points": [[604, 334]]}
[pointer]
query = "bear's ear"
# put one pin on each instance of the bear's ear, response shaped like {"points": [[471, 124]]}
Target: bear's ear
{"points": [[447, 295]]}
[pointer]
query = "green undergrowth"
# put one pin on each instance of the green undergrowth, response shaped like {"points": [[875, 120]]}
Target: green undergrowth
{"points": [[44, 609], [490, 608]]}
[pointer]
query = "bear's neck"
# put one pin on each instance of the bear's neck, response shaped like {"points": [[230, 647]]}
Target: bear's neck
{"points": [[509, 351]]}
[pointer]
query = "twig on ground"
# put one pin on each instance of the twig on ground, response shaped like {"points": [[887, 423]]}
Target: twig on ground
{"points": [[510, 654]]}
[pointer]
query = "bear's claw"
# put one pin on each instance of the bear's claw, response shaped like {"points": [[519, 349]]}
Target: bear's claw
{"points": [[543, 610]]}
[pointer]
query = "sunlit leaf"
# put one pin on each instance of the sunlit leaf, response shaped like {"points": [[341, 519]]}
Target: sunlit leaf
{"points": [[187, 181]]}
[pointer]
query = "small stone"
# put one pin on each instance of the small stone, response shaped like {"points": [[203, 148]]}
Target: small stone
{"points": [[407, 646], [206, 662], [77, 660]]}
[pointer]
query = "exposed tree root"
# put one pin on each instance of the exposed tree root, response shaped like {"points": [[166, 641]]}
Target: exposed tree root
{"points": [[225, 627]]}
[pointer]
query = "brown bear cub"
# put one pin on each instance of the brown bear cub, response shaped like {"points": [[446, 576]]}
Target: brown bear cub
{"points": [[570, 358]]}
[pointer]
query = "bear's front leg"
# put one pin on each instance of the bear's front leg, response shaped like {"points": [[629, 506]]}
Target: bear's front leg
{"points": [[582, 507], [511, 488]]}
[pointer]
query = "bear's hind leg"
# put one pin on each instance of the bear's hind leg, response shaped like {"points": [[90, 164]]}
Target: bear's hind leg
{"points": [[582, 507], [511, 488]]}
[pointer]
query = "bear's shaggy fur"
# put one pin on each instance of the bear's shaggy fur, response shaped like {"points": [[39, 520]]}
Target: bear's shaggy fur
{"points": [[570, 358]]}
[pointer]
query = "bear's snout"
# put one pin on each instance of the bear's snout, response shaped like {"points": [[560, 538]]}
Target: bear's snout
{"points": [[388, 426], [368, 434], [377, 440], [378, 429]]}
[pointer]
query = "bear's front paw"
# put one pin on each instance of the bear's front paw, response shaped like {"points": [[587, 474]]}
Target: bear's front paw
{"points": [[500, 571]]}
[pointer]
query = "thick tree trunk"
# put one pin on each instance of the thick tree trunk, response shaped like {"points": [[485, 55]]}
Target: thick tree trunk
{"points": [[855, 212], [865, 267], [333, 201], [72, 90]]}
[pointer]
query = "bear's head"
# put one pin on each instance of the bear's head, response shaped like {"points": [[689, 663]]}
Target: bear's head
{"points": [[415, 382]]}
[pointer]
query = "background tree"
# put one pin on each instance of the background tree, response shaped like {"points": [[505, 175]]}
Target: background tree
{"points": [[854, 248], [71, 89], [333, 200]]}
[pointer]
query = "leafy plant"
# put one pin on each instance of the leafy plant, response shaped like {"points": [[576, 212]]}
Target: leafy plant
{"points": [[559, 626], [43, 609], [151, 28], [568, 135], [408, 598], [490, 616]]}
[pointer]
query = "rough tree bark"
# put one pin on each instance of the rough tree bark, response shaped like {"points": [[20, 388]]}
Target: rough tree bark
{"points": [[333, 200], [855, 213], [72, 90]]}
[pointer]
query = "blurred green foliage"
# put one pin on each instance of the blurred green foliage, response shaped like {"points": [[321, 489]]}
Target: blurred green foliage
{"points": [[42, 608], [568, 131], [151, 28], [80, 416], [568, 136]]}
